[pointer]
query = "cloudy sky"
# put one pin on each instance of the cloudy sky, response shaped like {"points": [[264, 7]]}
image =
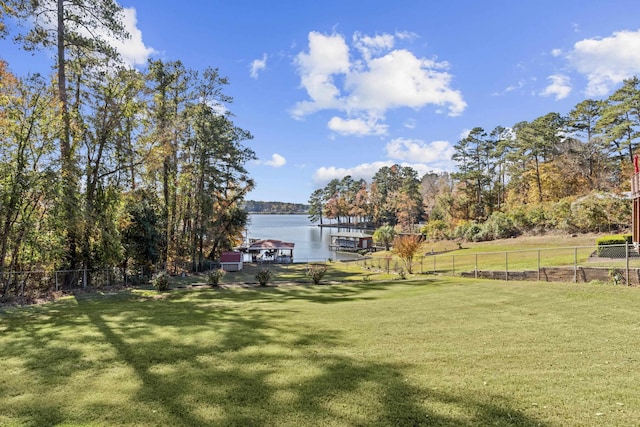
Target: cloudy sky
{"points": [[334, 88]]}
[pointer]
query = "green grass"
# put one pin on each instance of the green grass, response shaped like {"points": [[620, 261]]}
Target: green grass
{"points": [[294, 273], [517, 254], [437, 351]]}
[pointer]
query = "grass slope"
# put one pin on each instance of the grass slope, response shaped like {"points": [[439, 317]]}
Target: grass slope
{"points": [[440, 351]]}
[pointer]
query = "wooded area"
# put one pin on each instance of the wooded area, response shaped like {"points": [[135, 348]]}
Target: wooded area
{"points": [[253, 206], [103, 165], [568, 172]]}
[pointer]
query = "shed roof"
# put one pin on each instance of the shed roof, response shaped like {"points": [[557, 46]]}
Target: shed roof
{"points": [[230, 257]]}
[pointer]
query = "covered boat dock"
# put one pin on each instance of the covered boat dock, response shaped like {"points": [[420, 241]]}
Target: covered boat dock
{"points": [[351, 242], [270, 251]]}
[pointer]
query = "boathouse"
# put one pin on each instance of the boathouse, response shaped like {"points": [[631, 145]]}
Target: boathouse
{"points": [[269, 250], [351, 241]]}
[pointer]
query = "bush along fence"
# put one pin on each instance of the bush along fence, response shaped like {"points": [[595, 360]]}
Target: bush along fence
{"points": [[606, 262], [616, 263], [23, 286]]}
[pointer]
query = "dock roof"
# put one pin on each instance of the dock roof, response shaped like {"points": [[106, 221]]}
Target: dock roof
{"points": [[270, 244], [352, 234]]}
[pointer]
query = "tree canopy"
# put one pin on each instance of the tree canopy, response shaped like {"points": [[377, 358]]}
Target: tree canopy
{"points": [[102, 165]]}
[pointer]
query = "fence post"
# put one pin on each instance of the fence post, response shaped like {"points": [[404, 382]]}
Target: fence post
{"points": [[434, 264], [506, 265], [453, 265], [476, 268], [626, 250], [575, 265], [21, 289], [538, 265]]}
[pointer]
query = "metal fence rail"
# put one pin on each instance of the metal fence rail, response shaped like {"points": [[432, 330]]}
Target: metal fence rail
{"points": [[615, 263], [618, 264], [31, 284]]}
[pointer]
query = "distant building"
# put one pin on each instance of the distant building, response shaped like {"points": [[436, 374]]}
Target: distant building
{"points": [[351, 241], [270, 250], [231, 261]]}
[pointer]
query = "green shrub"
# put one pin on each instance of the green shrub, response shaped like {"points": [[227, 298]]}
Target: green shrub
{"points": [[214, 277], [461, 230], [474, 233], [499, 226], [613, 246], [616, 277], [263, 276], [316, 272], [601, 212], [563, 216], [618, 239], [160, 281], [436, 229]]}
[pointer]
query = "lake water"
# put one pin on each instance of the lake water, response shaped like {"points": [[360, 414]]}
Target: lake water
{"points": [[311, 241]]}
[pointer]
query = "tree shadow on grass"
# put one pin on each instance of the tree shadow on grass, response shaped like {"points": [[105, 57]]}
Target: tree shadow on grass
{"points": [[223, 358], [323, 293]]}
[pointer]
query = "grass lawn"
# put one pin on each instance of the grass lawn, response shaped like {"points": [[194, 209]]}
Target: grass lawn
{"points": [[517, 254], [434, 351]]}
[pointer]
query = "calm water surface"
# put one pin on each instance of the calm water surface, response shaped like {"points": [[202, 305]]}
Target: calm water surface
{"points": [[311, 241]]}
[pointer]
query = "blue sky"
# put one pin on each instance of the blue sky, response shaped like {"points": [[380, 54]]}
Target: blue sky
{"points": [[334, 88]]}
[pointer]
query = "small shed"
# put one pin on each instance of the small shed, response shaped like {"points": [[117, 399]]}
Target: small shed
{"points": [[231, 261], [351, 241]]}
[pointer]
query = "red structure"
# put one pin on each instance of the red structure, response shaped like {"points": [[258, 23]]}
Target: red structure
{"points": [[231, 261], [635, 195]]}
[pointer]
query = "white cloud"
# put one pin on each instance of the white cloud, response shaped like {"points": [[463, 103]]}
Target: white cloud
{"points": [[328, 55], [399, 79], [276, 161], [410, 123], [365, 88], [419, 151], [421, 156], [358, 127], [465, 133], [556, 52], [365, 171], [607, 61], [258, 65], [132, 50], [376, 45], [511, 88], [406, 35], [560, 87]]}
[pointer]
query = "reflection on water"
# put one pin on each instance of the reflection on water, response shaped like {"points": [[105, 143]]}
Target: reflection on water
{"points": [[312, 242]]}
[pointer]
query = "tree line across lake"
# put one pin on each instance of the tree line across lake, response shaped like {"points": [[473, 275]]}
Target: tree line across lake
{"points": [[253, 206]]}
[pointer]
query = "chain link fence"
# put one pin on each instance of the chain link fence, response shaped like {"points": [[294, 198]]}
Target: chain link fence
{"points": [[23, 286], [619, 264]]}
